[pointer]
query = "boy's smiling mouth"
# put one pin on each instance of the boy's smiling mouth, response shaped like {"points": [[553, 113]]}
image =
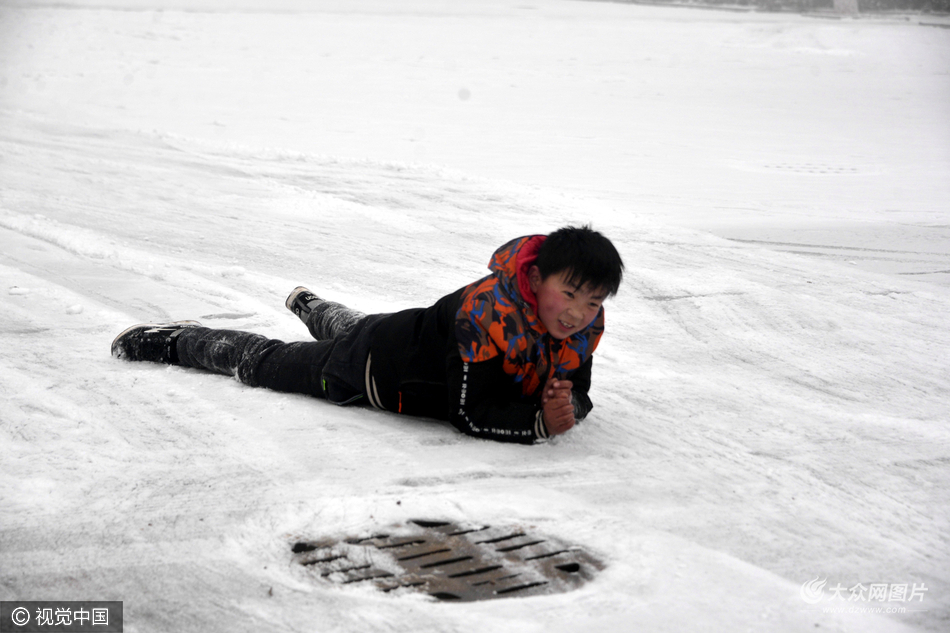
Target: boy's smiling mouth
{"points": [[566, 326]]}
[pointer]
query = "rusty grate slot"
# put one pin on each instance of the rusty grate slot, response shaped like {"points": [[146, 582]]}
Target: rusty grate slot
{"points": [[424, 554], [475, 572], [443, 563], [449, 561], [469, 531], [429, 524], [522, 587], [512, 548], [499, 539], [320, 561], [301, 547], [497, 580], [404, 544]]}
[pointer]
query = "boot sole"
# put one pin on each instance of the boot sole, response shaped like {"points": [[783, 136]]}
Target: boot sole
{"points": [[296, 292], [151, 325]]}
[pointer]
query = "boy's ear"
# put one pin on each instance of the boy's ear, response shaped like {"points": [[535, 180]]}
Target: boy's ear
{"points": [[534, 278]]}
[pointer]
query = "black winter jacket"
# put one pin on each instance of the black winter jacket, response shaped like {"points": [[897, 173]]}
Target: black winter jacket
{"points": [[416, 368]]}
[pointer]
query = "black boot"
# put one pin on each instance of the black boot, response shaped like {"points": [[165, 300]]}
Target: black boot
{"points": [[301, 302], [155, 342], [325, 319]]}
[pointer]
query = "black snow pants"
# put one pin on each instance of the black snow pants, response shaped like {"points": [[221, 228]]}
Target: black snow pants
{"points": [[331, 367]]}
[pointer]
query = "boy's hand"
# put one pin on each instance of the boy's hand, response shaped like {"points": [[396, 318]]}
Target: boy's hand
{"points": [[558, 405]]}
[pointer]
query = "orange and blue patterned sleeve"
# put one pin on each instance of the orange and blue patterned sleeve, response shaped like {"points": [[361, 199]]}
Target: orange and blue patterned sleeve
{"points": [[473, 323]]}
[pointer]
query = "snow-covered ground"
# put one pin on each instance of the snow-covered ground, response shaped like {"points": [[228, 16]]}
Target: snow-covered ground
{"points": [[772, 399]]}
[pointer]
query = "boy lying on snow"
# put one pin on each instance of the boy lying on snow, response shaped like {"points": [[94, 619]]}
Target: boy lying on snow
{"points": [[506, 358]]}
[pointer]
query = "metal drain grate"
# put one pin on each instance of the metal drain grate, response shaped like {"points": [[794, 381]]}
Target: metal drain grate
{"points": [[451, 561]]}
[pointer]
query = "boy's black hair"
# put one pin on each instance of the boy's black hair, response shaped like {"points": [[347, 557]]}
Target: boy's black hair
{"points": [[585, 255]]}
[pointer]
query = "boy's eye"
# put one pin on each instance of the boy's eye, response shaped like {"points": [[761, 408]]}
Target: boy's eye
{"points": [[570, 295]]}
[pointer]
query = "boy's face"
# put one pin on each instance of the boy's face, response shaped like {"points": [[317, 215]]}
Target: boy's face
{"points": [[564, 309]]}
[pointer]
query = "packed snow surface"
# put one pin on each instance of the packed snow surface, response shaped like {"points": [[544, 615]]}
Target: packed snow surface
{"points": [[772, 397]]}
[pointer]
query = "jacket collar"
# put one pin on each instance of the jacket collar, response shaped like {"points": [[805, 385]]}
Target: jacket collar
{"points": [[510, 264]]}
